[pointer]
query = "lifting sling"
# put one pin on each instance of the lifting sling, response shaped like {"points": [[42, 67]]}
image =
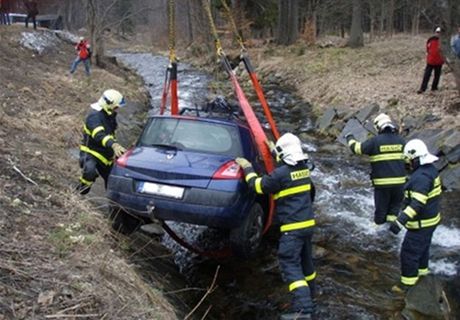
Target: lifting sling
{"points": [[253, 122], [251, 72], [171, 71]]}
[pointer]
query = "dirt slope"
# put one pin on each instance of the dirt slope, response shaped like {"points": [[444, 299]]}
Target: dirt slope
{"points": [[57, 255], [387, 72]]}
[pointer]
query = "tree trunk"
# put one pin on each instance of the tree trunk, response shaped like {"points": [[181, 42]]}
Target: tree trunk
{"points": [[356, 33], [382, 18], [372, 19], [288, 25], [310, 30], [390, 18], [415, 21]]}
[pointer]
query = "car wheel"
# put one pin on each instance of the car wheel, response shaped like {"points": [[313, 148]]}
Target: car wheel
{"points": [[246, 239], [123, 222]]}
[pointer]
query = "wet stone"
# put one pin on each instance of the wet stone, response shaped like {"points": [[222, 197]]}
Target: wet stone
{"points": [[451, 142], [441, 163], [326, 120], [454, 156], [356, 128], [426, 300], [450, 177], [366, 112]]}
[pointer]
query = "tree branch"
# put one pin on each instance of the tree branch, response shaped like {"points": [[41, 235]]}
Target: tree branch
{"points": [[208, 292]]}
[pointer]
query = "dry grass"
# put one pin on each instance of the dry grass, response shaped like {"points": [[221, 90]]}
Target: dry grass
{"points": [[388, 72], [58, 258]]}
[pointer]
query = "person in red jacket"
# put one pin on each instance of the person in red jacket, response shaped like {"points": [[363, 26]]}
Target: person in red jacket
{"points": [[83, 55], [434, 61]]}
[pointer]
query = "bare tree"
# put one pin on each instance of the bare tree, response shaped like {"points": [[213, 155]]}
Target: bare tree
{"points": [[356, 34], [288, 22]]}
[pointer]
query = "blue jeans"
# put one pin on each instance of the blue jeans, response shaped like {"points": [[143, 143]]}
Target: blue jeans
{"points": [[85, 61]]}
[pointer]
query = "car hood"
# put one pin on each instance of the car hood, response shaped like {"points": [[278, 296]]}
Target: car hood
{"points": [[173, 166]]}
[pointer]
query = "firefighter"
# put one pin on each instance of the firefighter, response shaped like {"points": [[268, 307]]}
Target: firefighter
{"points": [[99, 146], [388, 172], [290, 185], [420, 215]]}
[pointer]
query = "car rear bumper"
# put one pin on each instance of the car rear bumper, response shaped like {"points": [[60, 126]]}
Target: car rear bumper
{"points": [[227, 209]]}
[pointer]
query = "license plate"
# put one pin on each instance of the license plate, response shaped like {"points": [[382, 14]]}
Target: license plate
{"points": [[161, 190]]}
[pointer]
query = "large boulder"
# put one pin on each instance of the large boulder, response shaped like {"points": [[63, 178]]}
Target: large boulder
{"points": [[450, 177], [326, 119], [426, 300], [433, 138], [356, 128], [451, 147], [368, 111]]}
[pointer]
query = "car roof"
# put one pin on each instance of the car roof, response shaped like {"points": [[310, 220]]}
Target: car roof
{"points": [[210, 119]]}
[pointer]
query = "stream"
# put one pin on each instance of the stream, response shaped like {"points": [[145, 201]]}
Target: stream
{"points": [[357, 262]]}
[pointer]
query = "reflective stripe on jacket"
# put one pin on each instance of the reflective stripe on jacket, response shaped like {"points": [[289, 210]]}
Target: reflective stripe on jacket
{"points": [[422, 198], [99, 135], [290, 186], [386, 157]]}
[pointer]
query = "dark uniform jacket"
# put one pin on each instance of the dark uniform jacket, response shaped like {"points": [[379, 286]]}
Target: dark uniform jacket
{"points": [[99, 135], [290, 186], [386, 157], [422, 198]]}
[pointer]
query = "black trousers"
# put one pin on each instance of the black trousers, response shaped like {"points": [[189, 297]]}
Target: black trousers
{"points": [[296, 264], [415, 253], [93, 167], [387, 203], [426, 77], [34, 20]]}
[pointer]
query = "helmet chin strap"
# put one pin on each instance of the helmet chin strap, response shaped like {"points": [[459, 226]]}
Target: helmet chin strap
{"points": [[414, 164]]}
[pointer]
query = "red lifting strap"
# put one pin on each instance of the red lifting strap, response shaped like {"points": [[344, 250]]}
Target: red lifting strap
{"points": [[164, 95], [174, 99], [256, 129], [261, 96]]}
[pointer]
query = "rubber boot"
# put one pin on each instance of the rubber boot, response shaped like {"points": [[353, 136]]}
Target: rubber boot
{"points": [[82, 188]]}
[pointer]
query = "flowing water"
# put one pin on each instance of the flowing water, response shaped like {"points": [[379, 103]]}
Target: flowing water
{"points": [[357, 262]]}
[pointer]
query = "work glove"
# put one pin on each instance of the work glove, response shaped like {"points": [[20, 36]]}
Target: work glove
{"points": [[349, 136], [243, 163], [118, 149], [398, 224], [271, 146]]}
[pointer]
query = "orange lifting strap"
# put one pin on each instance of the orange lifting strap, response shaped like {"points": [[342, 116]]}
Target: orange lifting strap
{"points": [[253, 122], [171, 72], [250, 70]]}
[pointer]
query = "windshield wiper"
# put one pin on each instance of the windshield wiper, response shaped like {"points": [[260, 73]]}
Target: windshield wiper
{"points": [[165, 146]]}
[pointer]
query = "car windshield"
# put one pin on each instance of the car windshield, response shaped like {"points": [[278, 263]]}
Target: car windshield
{"points": [[193, 135]]}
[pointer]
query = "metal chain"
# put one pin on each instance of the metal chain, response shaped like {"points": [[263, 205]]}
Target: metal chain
{"points": [[236, 33], [207, 9], [172, 31]]}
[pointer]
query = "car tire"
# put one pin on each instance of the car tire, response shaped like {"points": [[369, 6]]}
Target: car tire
{"points": [[245, 239], [123, 222]]}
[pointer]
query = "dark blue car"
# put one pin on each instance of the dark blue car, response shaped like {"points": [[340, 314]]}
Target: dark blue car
{"points": [[182, 168]]}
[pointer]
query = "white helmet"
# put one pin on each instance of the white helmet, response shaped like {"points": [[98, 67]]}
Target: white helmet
{"points": [[383, 121], [416, 148], [289, 149], [110, 100]]}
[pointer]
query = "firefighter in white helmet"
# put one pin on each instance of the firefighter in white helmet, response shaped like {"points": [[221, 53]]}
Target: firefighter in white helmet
{"points": [[99, 146], [420, 214], [290, 184], [387, 164]]}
